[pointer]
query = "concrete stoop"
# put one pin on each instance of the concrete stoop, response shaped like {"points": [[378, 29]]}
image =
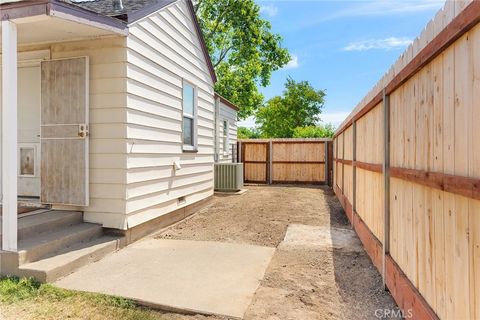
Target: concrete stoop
{"points": [[54, 244]]}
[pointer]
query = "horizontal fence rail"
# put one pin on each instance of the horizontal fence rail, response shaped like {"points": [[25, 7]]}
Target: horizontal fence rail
{"points": [[407, 170]]}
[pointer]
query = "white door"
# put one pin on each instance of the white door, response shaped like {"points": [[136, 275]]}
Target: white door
{"points": [[29, 102]]}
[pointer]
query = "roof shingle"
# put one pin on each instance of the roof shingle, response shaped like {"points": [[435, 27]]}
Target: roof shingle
{"points": [[106, 7]]}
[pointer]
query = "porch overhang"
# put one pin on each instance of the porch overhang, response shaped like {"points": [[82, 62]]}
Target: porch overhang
{"points": [[26, 23], [46, 21]]}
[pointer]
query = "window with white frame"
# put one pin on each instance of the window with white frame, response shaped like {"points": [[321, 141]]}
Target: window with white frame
{"points": [[226, 141], [189, 129]]}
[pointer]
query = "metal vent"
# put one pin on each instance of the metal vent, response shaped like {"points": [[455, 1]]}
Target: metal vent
{"points": [[228, 176], [117, 5]]}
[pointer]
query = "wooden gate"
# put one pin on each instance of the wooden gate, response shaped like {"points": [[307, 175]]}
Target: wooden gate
{"points": [[302, 161], [255, 158]]}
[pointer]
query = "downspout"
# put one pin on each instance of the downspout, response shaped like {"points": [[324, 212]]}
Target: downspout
{"points": [[217, 132]]}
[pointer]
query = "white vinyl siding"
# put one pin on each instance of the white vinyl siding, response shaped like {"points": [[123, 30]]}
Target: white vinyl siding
{"points": [[163, 53], [108, 146], [229, 115], [136, 118]]}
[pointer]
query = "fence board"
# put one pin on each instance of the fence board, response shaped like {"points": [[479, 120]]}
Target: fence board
{"points": [[434, 236], [292, 160]]}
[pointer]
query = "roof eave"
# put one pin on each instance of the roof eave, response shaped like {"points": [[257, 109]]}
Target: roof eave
{"points": [[226, 102], [202, 41], [23, 9]]}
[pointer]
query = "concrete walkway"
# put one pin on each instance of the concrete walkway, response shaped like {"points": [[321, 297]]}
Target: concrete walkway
{"points": [[179, 275]]}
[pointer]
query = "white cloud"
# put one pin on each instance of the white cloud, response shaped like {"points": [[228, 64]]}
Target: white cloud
{"points": [[248, 123], [382, 44], [293, 63], [270, 10], [336, 118]]}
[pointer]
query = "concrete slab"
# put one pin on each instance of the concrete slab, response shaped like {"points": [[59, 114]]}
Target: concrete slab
{"points": [[210, 278], [321, 237], [226, 193]]}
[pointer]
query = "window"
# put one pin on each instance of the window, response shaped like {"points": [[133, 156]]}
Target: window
{"points": [[225, 137], [189, 113]]}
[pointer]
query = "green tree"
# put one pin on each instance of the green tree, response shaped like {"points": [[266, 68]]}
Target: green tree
{"points": [[319, 131], [247, 133], [300, 106], [243, 49]]}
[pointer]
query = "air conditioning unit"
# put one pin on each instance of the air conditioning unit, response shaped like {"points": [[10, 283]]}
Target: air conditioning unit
{"points": [[228, 176]]}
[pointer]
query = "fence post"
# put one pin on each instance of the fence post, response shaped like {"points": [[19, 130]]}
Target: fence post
{"points": [[325, 144], [270, 161], [386, 177], [343, 163], [354, 166], [336, 162]]}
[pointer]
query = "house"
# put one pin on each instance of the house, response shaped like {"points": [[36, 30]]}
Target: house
{"points": [[226, 130], [115, 105]]}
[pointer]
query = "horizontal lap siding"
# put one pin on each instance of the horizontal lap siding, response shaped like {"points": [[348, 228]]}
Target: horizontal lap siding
{"points": [[163, 50], [227, 113], [108, 70]]}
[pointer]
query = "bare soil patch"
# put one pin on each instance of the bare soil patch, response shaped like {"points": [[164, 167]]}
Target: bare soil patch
{"points": [[302, 282]]}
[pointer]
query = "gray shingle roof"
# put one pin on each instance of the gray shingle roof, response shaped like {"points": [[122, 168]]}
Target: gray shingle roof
{"points": [[106, 7]]}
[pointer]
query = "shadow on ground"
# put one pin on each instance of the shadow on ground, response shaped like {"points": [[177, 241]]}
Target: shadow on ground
{"points": [[356, 276]]}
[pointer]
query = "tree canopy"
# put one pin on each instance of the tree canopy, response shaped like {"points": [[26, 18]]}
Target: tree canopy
{"points": [[319, 131], [247, 133], [243, 49], [299, 106]]}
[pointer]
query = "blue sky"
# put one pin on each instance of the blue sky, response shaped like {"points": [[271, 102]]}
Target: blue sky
{"points": [[342, 46]]}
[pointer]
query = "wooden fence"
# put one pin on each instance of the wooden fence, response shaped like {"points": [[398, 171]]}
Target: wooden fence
{"points": [[407, 169], [305, 161]]}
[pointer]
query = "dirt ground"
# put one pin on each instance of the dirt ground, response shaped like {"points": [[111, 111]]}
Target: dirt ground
{"points": [[301, 282]]}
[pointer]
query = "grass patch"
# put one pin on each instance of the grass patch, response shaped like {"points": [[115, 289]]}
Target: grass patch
{"points": [[26, 298], [14, 289]]}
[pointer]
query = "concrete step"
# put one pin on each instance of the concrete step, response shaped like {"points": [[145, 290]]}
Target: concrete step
{"points": [[47, 243], [68, 260], [48, 221], [29, 226]]}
